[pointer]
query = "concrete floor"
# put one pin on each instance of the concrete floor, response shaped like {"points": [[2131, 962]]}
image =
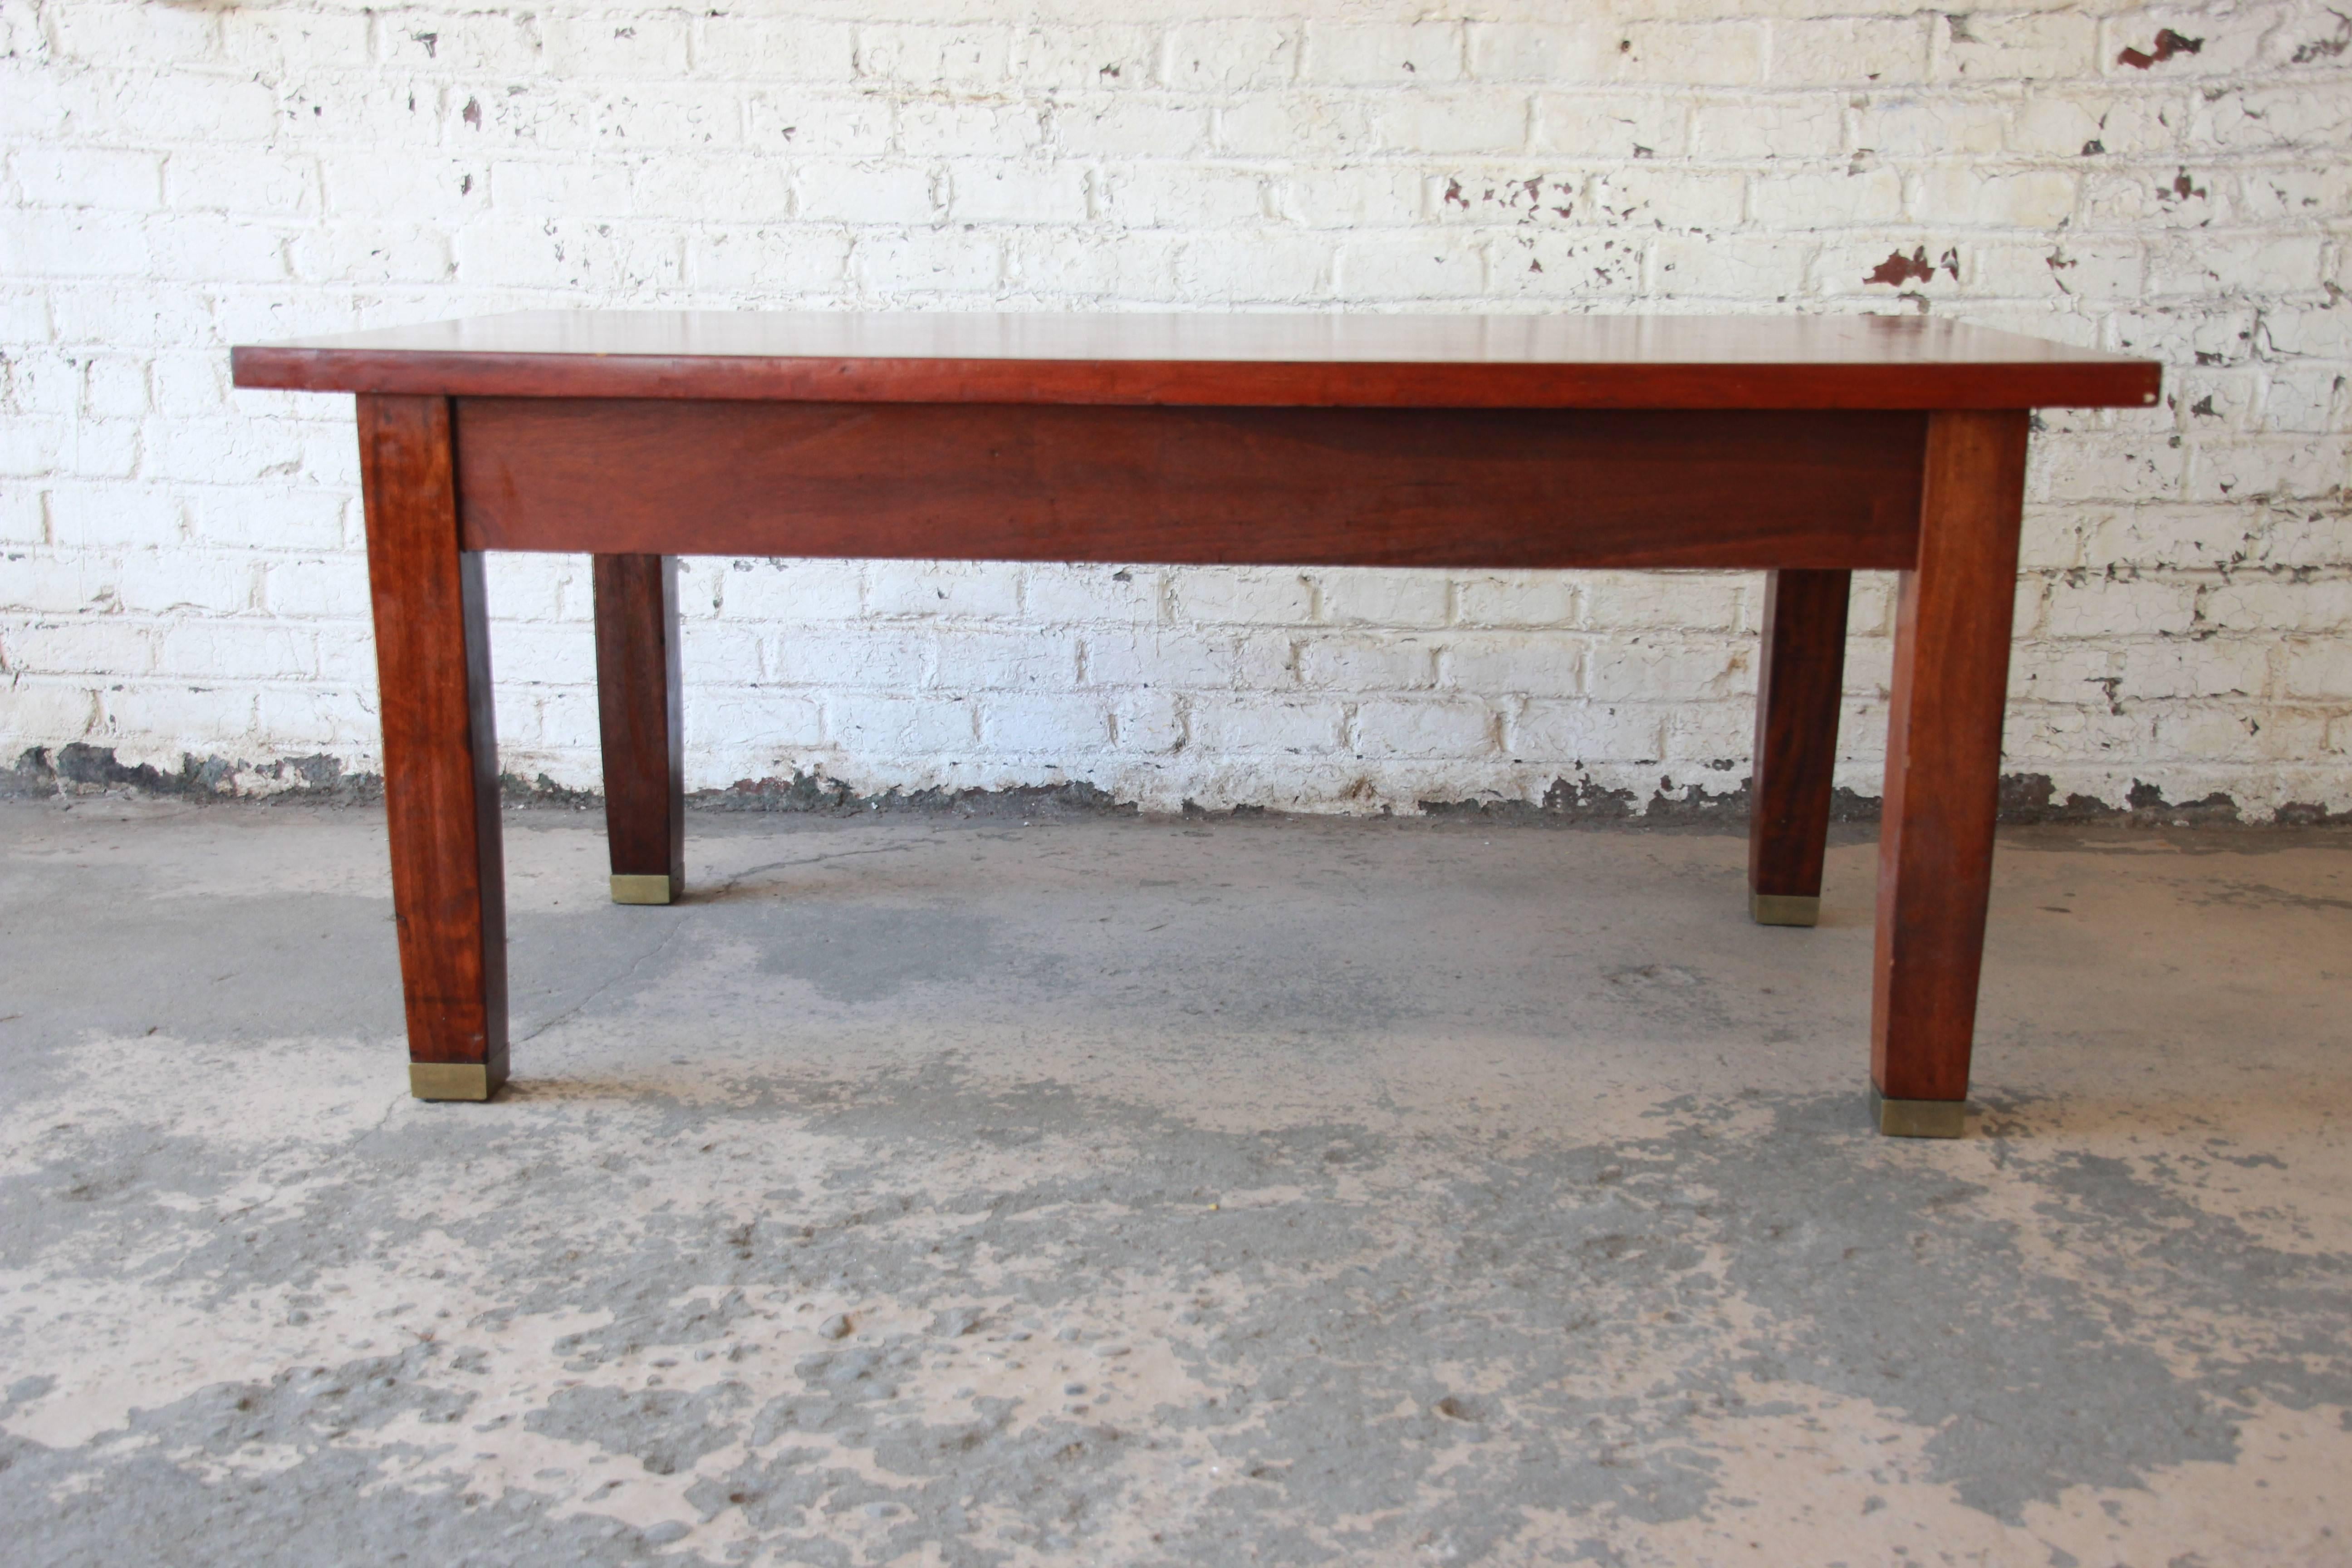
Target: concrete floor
{"points": [[1110, 1191]]}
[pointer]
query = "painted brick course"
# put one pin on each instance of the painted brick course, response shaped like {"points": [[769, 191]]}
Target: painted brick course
{"points": [[182, 566]]}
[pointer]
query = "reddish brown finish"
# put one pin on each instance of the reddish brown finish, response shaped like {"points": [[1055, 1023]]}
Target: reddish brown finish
{"points": [[440, 750], [1324, 440], [1496, 488], [1231, 360], [639, 705], [1943, 757], [1796, 729]]}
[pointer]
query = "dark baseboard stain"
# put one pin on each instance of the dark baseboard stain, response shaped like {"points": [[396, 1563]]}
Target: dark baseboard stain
{"points": [[77, 769]]}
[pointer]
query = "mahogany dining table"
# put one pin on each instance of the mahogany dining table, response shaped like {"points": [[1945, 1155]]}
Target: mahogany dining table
{"points": [[1804, 447]]}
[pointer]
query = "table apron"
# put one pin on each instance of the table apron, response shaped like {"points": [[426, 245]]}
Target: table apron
{"points": [[1308, 486]]}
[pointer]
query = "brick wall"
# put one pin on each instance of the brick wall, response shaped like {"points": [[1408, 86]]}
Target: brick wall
{"points": [[183, 566]]}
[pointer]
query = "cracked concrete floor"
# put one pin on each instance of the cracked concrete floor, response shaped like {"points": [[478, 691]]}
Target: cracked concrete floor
{"points": [[1109, 1191]]}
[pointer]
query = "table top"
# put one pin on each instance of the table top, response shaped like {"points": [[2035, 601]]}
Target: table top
{"points": [[1217, 359]]}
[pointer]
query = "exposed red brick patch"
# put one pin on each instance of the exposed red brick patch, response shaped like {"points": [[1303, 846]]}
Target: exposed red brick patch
{"points": [[2168, 44], [1899, 270]]}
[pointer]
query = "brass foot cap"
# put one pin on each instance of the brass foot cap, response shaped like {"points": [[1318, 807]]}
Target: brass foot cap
{"points": [[638, 889], [450, 1080], [1917, 1118], [1784, 909]]}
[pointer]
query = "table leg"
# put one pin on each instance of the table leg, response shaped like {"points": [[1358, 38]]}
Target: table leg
{"points": [[440, 750], [637, 697], [1796, 744], [1943, 770]]}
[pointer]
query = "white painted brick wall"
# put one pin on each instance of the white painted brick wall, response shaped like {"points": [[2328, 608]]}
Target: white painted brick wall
{"points": [[182, 564]]}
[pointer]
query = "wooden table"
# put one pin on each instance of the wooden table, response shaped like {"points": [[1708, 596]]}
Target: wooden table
{"points": [[1805, 446]]}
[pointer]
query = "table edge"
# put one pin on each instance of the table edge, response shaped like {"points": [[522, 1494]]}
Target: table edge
{"points": [[2110, 383]]}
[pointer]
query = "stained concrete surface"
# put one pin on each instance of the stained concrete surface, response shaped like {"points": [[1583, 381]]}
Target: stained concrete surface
{"points": [[1147, 1191]]}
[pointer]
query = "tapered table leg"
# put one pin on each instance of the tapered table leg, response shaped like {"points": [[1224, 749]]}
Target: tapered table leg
{"points": [[440, 751], [637, 696], [1796, 744], [1943, 770]]}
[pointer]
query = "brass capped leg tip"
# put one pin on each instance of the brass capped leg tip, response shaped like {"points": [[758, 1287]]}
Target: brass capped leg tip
{"points": [[639, 889], [1917, 1118], [450, 1080], [1784, 909]]}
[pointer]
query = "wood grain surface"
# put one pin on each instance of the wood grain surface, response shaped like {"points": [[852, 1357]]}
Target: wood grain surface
{"points": [[1273, 487], [1943, 757], [440, 746], [1800, 684], [640, 711], [1217, 359], [1809, 447]]}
